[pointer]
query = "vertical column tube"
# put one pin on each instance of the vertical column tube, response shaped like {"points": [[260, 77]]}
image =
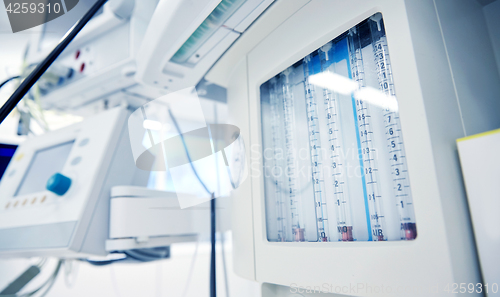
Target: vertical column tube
{"points": [[338, 170], [316, 155], [399, 171], [291, 162], [277, 170], [369, 169]]}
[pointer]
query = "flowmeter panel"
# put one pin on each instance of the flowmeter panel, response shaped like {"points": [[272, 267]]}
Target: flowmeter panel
{"points": [[334, 161]]}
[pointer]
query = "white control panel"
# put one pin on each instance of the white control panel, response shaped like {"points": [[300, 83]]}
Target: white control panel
{"points": [[78, 164]]}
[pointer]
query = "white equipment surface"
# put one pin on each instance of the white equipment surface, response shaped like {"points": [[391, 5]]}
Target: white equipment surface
{"points": [[95, 154], [141, 217], [185, 39], [144, 218], [127, 53], [429, 49], [480, 163], [101, 60]]}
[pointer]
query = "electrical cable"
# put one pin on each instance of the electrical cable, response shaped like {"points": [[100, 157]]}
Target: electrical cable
{"points": [[27, 276], [9, 79], [105, 262], [223, 252], [213, 281], [224, 265], [41, 262], [135, 256], [38, 105], [191, 268], [21, 281], [187, 151], [71, 268], [148, 255], [158, 280], [33, 77], [47, 284], [114, 282], [52, 279]]}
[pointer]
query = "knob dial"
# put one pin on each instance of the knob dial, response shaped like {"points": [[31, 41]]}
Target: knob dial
{"points": [[58, 184]]}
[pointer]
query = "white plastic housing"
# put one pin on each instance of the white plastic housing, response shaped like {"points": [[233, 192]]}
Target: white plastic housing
{"points": [[439, 101], [76, 223], [102, 57], [172, 24]]}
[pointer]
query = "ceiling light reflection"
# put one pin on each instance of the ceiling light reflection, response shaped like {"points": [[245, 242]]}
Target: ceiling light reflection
{"points": [[346, 86], [334, 82], [376, 97]]}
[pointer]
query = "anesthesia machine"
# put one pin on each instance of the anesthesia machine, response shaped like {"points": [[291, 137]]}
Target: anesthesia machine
{"points": [[347, 116]]}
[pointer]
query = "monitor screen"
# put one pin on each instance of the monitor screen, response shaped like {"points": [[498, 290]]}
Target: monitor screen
{"points": [[6, 153], [44, 164]]}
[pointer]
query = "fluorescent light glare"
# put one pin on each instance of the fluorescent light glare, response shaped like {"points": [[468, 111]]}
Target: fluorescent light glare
{"points": [[334, 82], [376, 97], [346, 86], [152, 125]]}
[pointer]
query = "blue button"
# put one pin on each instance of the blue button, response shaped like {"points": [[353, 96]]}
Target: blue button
{"points": [[58, 184]]}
